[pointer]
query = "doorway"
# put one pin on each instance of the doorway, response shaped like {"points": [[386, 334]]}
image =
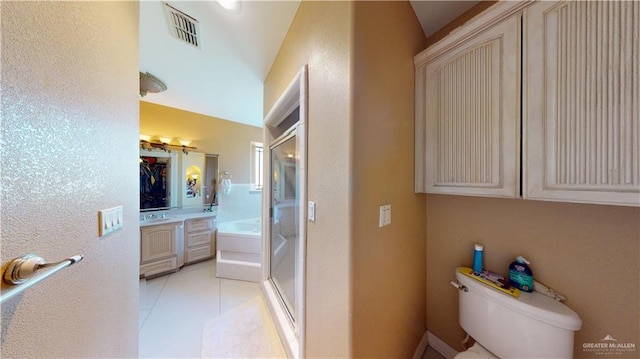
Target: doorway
{"points": [[285, 213]]}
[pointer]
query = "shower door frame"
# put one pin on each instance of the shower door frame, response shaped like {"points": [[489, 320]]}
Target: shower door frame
{"points": [[292, 333], [291, 133]]}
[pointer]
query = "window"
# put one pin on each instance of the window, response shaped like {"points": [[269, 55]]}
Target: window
{"points": [[256, 165]]}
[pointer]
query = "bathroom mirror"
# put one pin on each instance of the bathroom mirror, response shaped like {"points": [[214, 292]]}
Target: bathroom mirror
{"points": [[210, 181], [193, 174], [157, 180], [177, 180]]}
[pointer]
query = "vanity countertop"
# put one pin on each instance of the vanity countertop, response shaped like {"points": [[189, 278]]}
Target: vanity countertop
{"points": [[173, 218]]}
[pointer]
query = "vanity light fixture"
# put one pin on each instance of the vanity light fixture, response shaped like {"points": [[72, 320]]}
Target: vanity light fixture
{"points": [[165, 140], [165, 144]]}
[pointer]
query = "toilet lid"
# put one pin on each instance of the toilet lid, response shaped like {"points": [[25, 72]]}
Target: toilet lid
{"points": [[476, 352]]}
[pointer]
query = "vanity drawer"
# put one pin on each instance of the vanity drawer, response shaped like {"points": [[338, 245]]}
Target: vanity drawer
{"points": [[196, 225], [158, 267], [194, 254], [198, 239]]}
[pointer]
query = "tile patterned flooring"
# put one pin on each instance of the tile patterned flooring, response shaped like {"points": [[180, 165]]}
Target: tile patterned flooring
{"points": [[174, 309]]}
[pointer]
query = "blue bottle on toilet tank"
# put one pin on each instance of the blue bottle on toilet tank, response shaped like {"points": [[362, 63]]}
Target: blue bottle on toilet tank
{"points": [[477, 258], [520, 275]]}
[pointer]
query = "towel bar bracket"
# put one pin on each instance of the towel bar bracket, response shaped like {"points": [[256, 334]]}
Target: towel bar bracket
{"points": [[28, 270], [24, 268]]}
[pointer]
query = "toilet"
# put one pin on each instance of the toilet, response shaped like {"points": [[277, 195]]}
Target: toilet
{"points": [[530, 326]]}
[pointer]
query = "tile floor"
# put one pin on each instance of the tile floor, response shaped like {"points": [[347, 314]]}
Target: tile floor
{"points": [[174, 309]]}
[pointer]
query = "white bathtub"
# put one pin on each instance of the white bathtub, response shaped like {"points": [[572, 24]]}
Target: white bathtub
{"points": [[239, 250]]}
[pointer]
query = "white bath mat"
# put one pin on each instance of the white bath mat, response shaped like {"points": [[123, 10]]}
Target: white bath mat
{"points": [[243, 332]]}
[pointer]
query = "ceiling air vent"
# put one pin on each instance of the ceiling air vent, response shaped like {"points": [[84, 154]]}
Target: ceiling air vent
{"points": [[182, 26]]}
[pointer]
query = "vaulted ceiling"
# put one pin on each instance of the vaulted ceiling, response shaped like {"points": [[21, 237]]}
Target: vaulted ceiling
{"points": [[223, 76]]}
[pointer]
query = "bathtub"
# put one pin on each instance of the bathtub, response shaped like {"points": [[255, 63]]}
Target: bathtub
{"points": [[239, 250]]}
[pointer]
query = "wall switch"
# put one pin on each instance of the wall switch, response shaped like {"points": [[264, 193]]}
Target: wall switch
{"points": [[385, 215], [311, 212], [109, 220]]}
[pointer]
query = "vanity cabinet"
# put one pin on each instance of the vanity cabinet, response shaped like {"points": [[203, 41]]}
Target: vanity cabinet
{"points": [[200, 239], [573, 137], [161, 248]]}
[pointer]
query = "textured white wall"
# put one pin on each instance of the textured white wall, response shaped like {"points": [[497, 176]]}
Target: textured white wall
{"points": [[69, 130]]}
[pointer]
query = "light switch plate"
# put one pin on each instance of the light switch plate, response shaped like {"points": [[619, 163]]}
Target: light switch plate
{"points": [[385, 215], [110, 220], [311, 212]]}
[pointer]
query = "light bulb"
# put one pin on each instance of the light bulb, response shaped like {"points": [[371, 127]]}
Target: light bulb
{"points": [[229, 4], [184, 142]]}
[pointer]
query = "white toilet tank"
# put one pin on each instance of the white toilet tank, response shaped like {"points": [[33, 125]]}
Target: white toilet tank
{"points": [[531, 326]]}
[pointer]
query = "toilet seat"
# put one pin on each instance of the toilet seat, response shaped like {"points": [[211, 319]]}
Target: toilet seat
{"points": [[476, 351]]}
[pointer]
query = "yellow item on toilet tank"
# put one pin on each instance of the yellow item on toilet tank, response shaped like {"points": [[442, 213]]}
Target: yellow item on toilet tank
{"points": [[492, 280]]}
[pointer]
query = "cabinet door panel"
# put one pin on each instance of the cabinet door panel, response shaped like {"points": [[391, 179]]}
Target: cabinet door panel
{"points": [[582, 107], [472, 115], [157, 242]]}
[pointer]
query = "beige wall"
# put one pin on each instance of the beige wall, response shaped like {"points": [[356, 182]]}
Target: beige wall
{"points": [[365, 285], [320, 36], [69, 146], [230, 140], [591, 253], [389, 265]]}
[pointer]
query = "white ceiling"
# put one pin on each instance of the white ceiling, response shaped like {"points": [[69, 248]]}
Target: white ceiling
{"points": [[223, 78]]}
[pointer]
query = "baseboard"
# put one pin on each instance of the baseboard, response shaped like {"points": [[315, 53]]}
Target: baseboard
{"points": [[422, 347], [440, 346]]}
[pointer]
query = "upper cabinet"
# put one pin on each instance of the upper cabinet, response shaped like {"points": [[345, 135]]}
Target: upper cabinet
{"points": [[469, 99], [582, 101], [536, 100]]}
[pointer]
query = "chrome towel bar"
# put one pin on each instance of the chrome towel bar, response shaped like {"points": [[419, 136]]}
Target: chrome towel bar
{"points": [[24, 272]]}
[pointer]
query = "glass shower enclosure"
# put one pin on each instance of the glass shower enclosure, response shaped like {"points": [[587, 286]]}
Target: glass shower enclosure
{"points": [[285, 219]]}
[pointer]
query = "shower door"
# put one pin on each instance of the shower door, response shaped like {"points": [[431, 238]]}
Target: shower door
{"points": [[285, 205]]}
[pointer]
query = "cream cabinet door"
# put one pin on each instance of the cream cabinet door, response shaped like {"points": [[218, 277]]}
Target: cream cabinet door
{"points": [[158, 242], [468, 98], [581, 114]]}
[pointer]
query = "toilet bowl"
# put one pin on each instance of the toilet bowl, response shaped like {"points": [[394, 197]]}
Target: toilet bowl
{"points": [[503, 326], [476, 351]]}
